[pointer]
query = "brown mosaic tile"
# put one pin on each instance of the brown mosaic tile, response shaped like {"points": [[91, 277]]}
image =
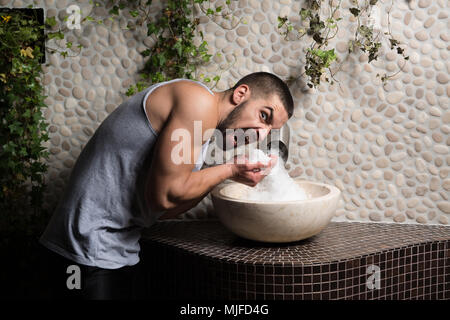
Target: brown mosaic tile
{"points": [[203, 260]]}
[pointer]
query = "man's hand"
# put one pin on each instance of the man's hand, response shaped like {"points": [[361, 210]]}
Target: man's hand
{"points": [[251, 173]]}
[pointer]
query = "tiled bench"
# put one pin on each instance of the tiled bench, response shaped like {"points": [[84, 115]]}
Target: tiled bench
{"points": [[203, 260]]}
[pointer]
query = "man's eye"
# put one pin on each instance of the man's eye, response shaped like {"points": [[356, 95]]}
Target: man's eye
{"points": [[264, 116]]}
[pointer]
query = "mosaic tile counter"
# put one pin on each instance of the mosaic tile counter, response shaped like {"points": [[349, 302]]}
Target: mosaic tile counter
{"points": [[203, 260]]}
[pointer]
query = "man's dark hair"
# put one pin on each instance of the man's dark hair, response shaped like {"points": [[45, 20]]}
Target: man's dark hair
{"points": [[263, 84]]}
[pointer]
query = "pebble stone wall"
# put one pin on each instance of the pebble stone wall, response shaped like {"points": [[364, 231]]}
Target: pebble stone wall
{"points": [[386, 147]]}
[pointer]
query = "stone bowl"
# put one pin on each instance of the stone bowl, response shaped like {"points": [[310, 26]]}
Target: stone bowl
{"points": [[275, 221]]}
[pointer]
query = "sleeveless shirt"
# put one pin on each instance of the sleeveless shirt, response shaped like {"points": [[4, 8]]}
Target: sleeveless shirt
{"points": [[100, 217]]}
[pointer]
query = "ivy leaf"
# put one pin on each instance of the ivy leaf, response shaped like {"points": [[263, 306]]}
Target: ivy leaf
{"points": [[366, 31], [187, 30], [179, 47], [206, 58], [51, 21], [355, 11], [151, 29], [373, 51], [281, 21], [130, 91], [59, 35], [327, 56], [203, 46], [305, 13], [14, 127], [134, 13], [23, 152], [28, 52], [146, 52], [318, 38], [114, 10], [393, 43], [161, 60]]}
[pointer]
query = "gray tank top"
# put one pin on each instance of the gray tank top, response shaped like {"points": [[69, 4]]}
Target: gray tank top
{"points": [[99, 219]]}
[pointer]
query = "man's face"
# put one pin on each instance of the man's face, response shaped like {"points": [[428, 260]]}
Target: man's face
{"points": [[256, 117]]}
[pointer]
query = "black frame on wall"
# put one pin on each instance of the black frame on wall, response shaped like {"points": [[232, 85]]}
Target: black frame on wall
{"points": [[36, 14]]}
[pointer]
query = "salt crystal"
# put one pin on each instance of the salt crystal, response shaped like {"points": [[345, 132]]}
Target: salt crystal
{"points": [[277, 185]]}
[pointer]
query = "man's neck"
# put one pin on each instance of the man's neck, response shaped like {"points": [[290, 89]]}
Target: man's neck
{"points": [[223, 104]]}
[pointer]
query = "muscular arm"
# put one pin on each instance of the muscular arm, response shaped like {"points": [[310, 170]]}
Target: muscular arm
{"points": [[173, 187]]}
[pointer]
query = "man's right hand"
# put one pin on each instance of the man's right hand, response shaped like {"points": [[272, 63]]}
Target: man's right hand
{"points": [[251, 173]]}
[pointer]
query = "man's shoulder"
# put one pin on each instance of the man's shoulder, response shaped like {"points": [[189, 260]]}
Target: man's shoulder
{"points": [[186, 89], [194, 99]]}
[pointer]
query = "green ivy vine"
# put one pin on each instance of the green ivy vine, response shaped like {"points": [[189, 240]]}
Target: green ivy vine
{"points": [[23, 128], [319, 55], [174, 53]]}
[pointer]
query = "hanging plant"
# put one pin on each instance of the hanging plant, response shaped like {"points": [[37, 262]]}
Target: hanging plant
{"points": [[319, 57], [174, 53], [23, 128]]}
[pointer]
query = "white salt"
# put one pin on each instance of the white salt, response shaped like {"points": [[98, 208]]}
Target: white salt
{"points": [[277, 185]]}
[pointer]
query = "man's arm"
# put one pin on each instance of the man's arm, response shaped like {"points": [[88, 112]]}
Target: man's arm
{"points": [[174, 187]]}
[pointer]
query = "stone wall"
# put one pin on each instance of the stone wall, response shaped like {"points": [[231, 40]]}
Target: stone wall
{"points": [[386, 147]]}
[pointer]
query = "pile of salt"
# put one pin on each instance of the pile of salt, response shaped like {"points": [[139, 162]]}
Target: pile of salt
{"points": [[277, 185]]}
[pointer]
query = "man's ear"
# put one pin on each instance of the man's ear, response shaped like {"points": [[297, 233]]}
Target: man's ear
{"points": [[240, 94]]}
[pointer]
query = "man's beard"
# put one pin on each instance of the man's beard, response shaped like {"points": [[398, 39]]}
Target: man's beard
{"points": [[231, 118], [229, 123]]}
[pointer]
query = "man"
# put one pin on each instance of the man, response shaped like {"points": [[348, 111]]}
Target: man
{"points": [[126, 177]]}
